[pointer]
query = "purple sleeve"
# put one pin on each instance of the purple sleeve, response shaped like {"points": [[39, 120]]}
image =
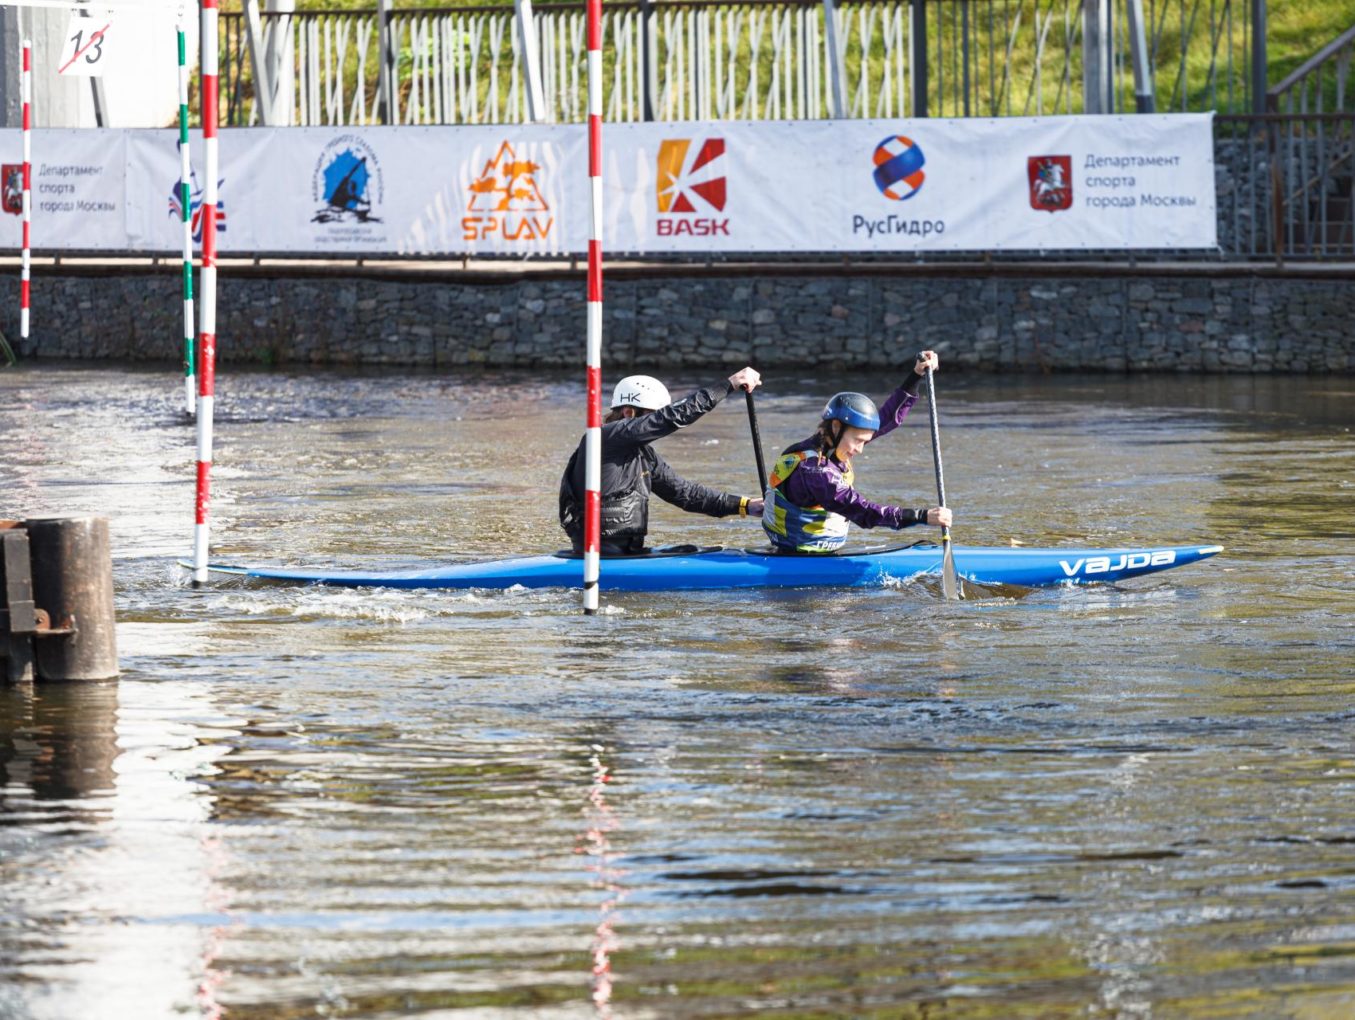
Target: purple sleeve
{"points": [[896, 408], [820, 483]]}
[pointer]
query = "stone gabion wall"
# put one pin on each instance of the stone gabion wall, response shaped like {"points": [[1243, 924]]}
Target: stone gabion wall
{"points": [[1188, 323]]}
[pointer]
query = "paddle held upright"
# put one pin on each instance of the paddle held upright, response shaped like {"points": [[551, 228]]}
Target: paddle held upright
{"points": [[950, 581], [757, 444]]}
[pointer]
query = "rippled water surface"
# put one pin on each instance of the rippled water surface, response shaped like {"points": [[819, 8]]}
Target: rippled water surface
{"points": [[1113, 801]]}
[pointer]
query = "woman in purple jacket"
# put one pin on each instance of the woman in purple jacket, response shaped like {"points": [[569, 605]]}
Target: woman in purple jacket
{"points": [[810, 496]]}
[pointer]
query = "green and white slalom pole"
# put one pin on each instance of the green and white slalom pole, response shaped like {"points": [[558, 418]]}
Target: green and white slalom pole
{"points": [[186, 202]]}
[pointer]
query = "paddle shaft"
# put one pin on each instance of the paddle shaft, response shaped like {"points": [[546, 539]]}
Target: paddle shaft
{"points": [[950, 584], [936, 448], [757, 444]]}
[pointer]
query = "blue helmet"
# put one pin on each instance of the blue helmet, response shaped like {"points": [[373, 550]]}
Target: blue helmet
{"points": [[854, 409]]}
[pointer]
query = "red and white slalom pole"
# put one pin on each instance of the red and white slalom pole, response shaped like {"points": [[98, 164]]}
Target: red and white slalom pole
{"points": [[592, 498], [27, 87], [207, 336], [186, 202]]}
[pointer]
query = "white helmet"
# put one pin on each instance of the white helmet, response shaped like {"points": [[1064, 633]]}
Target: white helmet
{"points": [[642, 391]]}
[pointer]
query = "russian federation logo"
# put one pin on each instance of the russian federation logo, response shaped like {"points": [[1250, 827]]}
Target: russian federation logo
{"points": [[690, 181], [1051, 182], [505, 200], [347, 182], [12, 174], [898, 167]]}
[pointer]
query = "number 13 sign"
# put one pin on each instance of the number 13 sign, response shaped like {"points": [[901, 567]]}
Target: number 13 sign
{"points": [[86, 49]]}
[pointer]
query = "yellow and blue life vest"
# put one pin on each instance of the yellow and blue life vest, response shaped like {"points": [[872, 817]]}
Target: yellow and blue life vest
{"points": [[800, 528]]}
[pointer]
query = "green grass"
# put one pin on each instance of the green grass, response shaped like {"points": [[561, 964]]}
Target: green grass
{"points": [[1296, 30]]}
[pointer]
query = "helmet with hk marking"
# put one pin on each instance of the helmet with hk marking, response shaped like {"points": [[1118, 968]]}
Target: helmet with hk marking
{"points": [[854, 409], [640, 391]]}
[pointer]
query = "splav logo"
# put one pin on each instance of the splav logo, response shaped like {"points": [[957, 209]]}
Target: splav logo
{"points": [[688, 183], [506, 202]]}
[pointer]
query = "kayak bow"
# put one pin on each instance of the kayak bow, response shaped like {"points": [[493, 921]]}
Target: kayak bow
{"points": [[690, 568]]}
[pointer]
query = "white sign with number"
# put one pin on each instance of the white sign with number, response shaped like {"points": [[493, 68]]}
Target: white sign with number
{"points": [[86, 49]]}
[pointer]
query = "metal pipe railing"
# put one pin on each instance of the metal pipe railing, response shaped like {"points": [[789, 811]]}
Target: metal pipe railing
{"points": [[725, 59], [1330, 71], [1287, 186]]}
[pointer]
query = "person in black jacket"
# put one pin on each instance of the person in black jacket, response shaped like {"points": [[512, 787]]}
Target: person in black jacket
{"points": [[631, 469]]}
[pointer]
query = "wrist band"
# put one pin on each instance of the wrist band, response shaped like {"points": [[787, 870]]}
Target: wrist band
{"points": [[743, 506]]}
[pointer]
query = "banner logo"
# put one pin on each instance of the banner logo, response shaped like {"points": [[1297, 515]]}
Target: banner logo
{"points": [[898, 167], [195, 206], [690, 182], [12, 174], [506, 201], [347, 176], [1051, 182]]}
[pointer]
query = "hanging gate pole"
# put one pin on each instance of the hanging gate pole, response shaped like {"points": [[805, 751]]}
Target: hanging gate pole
{"points": [[592, 497], [26, 270]]}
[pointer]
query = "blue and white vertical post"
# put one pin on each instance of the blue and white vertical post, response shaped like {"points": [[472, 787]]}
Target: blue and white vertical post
{"points": [[592, 499], [186, 203], [207, 334], [26, 261]]}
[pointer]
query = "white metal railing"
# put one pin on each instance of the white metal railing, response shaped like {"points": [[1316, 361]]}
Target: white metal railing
{"points": [[745, 59]]}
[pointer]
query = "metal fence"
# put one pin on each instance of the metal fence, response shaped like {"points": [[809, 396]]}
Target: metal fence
{"points": [[746, 59], [1285, 186]]}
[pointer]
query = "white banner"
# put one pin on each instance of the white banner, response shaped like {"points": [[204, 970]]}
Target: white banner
{"points": [[878, 186], [923, 185], [378, 190], [79, 182]]}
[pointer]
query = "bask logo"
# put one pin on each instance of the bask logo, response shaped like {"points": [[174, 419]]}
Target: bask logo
{"points": [[691, 181], [1051, 182], [506, 201]]}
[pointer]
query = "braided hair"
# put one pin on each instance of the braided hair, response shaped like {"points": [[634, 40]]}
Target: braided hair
{"points": [[828, 435]]}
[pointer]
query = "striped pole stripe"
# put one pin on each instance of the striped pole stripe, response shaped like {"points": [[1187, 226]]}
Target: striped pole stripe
{"points": [[25, 271], [207, 336], [592, 499], [185, 202]]}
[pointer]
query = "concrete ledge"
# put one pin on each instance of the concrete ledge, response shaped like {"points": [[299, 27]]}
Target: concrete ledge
{"points": [[489, 271]]}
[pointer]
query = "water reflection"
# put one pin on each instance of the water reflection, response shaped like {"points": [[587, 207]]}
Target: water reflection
{"points": [[118, 883], [1119, 801], [607, 877], [57, 748]]}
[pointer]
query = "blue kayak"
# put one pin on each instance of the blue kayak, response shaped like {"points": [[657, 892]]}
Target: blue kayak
{"points": [[692, 568]]}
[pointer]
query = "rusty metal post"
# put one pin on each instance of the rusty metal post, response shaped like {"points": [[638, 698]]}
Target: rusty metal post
{"points": [[73, 583], [1272, 129], [18, 618]]}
